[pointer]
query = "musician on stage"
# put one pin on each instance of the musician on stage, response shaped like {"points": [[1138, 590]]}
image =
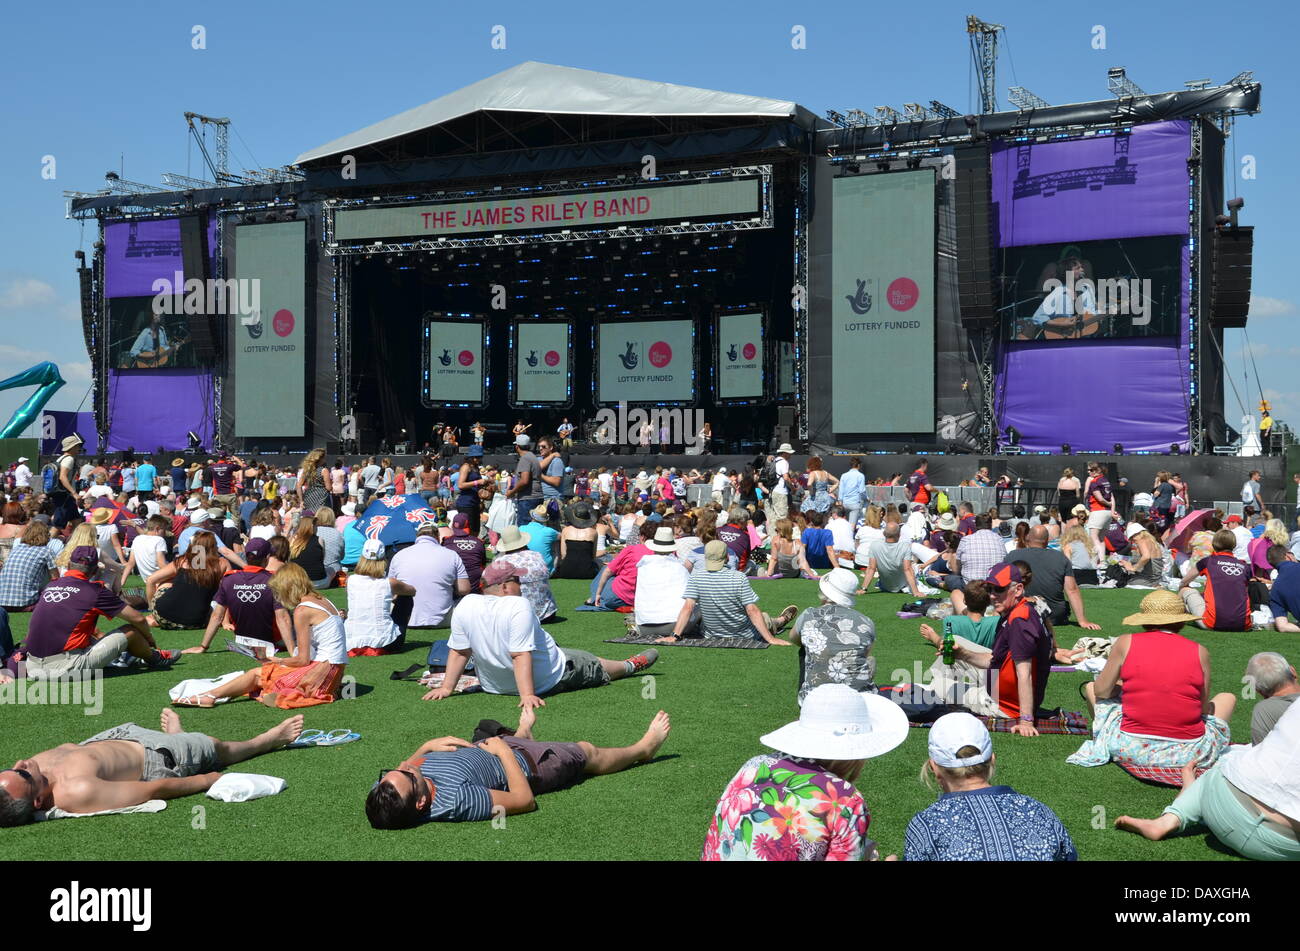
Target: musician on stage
{"points": [[1072, 298], [152, 338]]}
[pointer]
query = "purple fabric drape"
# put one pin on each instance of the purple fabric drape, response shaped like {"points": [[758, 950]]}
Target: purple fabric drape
{"points": [[152, 408]]}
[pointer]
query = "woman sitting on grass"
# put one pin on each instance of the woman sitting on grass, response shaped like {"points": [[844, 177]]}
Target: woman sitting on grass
{"points": [[313, 674], [786, 559], [370, 627], [1165, 715], [1250, 798], [799, 804], [973, 820], [180, 594]]}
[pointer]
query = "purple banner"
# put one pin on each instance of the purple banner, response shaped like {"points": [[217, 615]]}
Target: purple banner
{"points": [[137, 253], [152, 408], [66, 423], [1107, 186], [1093, 394]]}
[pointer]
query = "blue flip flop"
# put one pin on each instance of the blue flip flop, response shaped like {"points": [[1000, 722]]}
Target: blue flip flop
{"points": [[338, 738], [306, 738]]}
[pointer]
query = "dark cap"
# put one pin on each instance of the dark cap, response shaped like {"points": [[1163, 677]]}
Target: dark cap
{"points": [[257, 548], [1003, 574], [499, 571], [85, 555]]}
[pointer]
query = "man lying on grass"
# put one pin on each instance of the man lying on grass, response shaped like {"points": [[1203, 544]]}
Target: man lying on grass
{"points": [[451, 780], [126, 766]]}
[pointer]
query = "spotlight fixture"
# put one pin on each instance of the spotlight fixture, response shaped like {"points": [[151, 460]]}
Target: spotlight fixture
{"points": [[195, 442], [853, 168], [1174, 449], [914, 162], [883, 165], [1117, 449], [1013, 436], [1066, 449], [1235, 205], [907, 449]]}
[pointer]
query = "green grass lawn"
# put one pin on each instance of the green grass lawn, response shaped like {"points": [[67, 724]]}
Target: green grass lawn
{"points": [[721, 701]]}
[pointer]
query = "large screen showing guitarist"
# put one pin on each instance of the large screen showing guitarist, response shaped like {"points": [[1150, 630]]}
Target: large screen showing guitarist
{"points": [[163, 342], [1097, 289]]}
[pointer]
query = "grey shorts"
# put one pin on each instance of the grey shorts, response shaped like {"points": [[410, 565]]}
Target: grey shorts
{"points": [[581, 670], [552, 765], [166, 755]]}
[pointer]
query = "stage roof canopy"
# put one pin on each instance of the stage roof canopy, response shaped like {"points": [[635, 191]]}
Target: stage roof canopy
{"points": [[542, 88]]}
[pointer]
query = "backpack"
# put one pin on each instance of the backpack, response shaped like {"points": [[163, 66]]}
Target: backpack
{"points": [[49, 477], [767, 476], [1247, 496], [941, 502]]}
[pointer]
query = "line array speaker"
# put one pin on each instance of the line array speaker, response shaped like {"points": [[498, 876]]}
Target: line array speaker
{"points": [[205, 332], [1230, 300], [974, 235]]}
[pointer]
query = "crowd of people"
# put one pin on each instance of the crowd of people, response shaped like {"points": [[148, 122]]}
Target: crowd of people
{"points": [[246, 551]]}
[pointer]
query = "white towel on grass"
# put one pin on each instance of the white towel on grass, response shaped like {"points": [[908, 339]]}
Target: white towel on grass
{"points": [[241, 787], [153, 805]]}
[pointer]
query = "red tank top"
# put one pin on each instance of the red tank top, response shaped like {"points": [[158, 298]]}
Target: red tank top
{"points": [[1163, 683]]}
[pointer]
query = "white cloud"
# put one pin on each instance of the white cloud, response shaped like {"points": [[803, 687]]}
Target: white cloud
{"points": [[25, 293], [1263, 307]]}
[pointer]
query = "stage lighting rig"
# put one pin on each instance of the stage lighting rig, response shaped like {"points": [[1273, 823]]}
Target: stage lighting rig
{"points": [[941, 111], [1120, 85], [1235, 205]]}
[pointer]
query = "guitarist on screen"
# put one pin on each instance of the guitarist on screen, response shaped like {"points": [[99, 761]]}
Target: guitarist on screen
{"points": [[1070, 308], [151, 347]]}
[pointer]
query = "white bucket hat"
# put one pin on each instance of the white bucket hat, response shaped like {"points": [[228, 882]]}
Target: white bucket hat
{"points": [[838, 723], [786, 448], [512, 539], [839, 585], [951, 732]]}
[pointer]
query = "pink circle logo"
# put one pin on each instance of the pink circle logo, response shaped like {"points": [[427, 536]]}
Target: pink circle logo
{"points": [[466, 358], [283, 322], [749, 350], [903, 293], [661, 354], [552, 358]]}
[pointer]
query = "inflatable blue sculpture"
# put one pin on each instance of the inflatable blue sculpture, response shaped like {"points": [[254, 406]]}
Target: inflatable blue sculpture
{"points": [[45, 376]]}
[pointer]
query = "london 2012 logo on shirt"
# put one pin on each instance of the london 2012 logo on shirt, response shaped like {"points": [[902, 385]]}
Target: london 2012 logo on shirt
{"points": [[860, 301]]}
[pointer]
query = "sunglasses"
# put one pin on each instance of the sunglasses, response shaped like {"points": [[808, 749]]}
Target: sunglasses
{"points": [[25, 775], [1000, 589]]}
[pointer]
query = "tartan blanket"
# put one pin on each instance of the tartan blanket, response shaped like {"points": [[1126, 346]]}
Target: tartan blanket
{"points": [[1160, 775], [1063, 724], [744, 643]]}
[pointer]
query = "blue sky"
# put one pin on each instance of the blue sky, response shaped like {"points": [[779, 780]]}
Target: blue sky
{"points": [[104, 87]]}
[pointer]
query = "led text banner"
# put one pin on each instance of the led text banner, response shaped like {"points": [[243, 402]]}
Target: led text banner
{"points": [[721, 198]]}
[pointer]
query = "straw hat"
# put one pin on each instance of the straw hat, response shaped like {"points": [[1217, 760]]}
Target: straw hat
{"points": [[511, 540], [70, 442], [1079, 511], [101, 516], [838, 723], [1161, 607]]}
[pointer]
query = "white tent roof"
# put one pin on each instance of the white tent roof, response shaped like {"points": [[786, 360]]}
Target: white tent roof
{"points": [[539, 87]]}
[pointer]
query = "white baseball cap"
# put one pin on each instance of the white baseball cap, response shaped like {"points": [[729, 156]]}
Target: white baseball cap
{"points": [[838, 723], [523, 440], [951, 732], [22, 459], [372, 548], [199, 516]]}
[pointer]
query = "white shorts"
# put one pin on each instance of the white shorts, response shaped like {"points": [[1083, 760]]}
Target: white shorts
{"points": [[1099, 520]]}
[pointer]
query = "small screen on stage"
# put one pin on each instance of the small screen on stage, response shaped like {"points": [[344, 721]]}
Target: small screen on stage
{"points": [[1092, 289], [455, 363], [542, 362], [646, 361], [740, 356], [136, 341]]}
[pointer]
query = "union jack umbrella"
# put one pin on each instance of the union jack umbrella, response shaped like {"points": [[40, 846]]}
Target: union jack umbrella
{"points": [[395, 519]]}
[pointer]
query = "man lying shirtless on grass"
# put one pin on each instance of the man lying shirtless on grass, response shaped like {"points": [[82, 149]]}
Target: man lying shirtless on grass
{"points": [[451, 780], [126, 766]]}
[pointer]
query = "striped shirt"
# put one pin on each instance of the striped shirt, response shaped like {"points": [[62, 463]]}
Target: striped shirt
{"points": [[722, 596], [463, 781]]}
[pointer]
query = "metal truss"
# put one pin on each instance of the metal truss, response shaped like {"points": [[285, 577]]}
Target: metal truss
{"points": [[1195, 260], [801, 307]]}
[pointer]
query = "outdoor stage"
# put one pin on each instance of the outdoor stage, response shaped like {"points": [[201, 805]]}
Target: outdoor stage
{"points": [[553, 242]]}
